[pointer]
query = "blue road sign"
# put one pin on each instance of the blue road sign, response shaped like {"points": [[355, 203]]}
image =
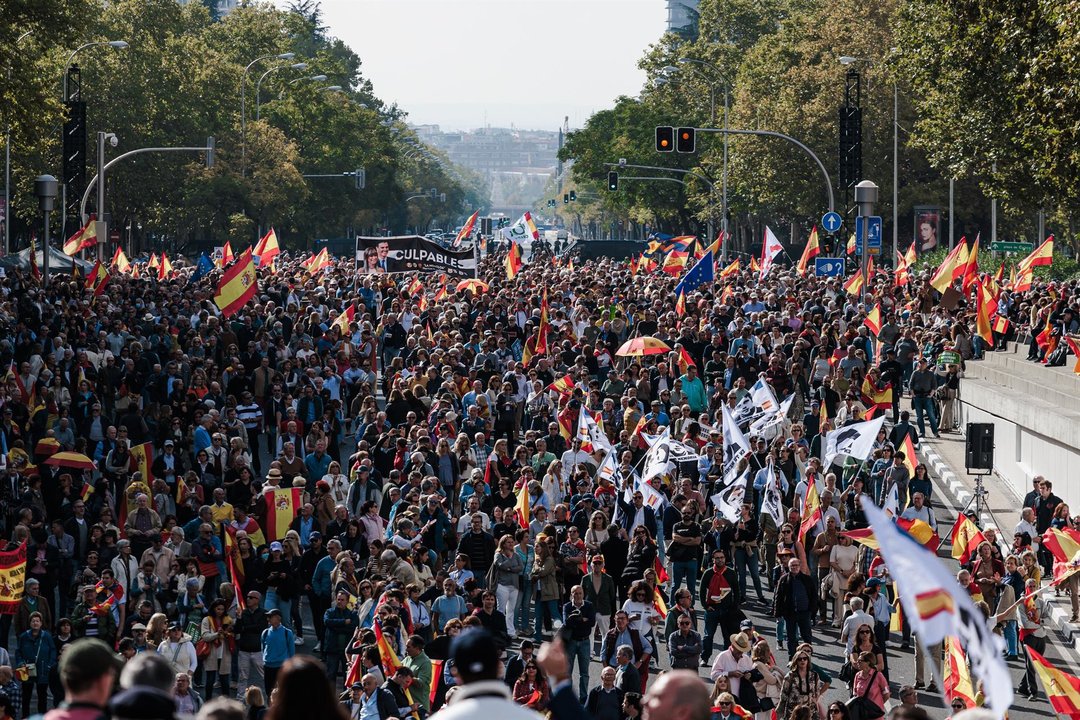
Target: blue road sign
{"points": [[873, 232], [831, 221], [828, 267]]}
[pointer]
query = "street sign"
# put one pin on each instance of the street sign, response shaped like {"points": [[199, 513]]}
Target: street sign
{"points": [[828, 267], [831, 221], [1011, 247], [873, 231]]}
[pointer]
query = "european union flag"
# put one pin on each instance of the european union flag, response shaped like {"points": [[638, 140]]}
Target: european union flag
{"points": [[203, 268], [702, 272]]}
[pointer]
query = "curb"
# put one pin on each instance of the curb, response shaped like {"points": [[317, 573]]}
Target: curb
{"points": [[1058, 614]]}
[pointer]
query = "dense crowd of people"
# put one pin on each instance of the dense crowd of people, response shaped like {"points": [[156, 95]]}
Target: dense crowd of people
{"points": [[444, 488]]}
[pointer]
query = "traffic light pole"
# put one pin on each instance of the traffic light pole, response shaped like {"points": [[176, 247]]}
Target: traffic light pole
{"points": [[793, 141], [691, 173]]}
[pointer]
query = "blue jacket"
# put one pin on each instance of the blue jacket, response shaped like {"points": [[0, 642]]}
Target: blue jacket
{"points": [[278, 645], [320, 580], [42, 649], [339, 628]]}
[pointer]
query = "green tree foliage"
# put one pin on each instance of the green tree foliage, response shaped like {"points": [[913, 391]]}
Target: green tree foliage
{"points": [[181, 80]]}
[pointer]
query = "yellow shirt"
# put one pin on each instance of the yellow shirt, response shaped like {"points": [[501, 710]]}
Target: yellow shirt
{"points": [[221, 513]]}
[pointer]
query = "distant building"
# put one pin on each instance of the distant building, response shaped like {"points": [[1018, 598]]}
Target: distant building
{"points": [[517, 163], [220, 7], [682, 17]]}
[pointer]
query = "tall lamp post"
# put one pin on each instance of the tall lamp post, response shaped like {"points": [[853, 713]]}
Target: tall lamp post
{"points": [[243, 103], [45, 187], [258, 83], [73, 135]]}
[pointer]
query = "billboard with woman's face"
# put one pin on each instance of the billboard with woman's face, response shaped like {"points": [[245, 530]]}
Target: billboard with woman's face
{"points": [[927, 229]]}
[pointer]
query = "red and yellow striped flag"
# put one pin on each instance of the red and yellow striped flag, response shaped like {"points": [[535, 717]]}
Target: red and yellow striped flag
{"points": [[1062, 689], [267, 248], [227, 254], [282, 505], [513, 262], [97, 278], [957, 677], [84, 237], [238, 285], [965, 539], [812, 250]]}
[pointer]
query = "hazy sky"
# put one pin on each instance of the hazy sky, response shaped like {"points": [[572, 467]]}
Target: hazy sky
{"points": [[465, 63]]}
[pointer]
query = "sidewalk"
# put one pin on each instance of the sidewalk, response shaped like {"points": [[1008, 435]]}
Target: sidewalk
{"points": [[944, 458]]}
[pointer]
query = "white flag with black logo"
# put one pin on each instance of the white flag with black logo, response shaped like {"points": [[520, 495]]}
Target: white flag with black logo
{"points": [[764, 397], [728, 502], [855, 441], [736, 446], [772, 504]]}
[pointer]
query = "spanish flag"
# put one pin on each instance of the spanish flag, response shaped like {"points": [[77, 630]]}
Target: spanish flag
{"points": [[282, 505], [971, 269], [658, 602], [1001, 324], [811, 511], [513, 262], [563, 385], [142, 457], [165, 269], [84, 237], [237, 286], [661, 574], [731, 270], [87, 492], [441, 294], [233, 561], [120, 260], [873, 320], [934, 603], [344, 320], [812, 250], [903, 271], [680, 304], [1062, 689], [466, 229], [675, 262], [154, 262], [908, 449], [985, 308], [965, 539], [415, 287], [951, 267], [227, 254], [685, 361], [1042, 255], [97, 279], [633, 266], [854, 284], [181, 491], [35, 271], [1064, 545], [875, 399], [522, 505], [850, 248], [267, 248], [319, 262], [956, 676]]}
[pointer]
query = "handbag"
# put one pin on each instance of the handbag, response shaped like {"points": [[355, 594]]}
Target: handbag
{"points": [[847, 672], [202, 649], [861, 708]]}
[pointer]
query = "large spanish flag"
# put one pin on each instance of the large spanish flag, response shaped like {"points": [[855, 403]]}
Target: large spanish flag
{"points": [[1064, 545], [965, 539], [1062, 689], [237, 286], [282, 505], [12, 577], [953, 266], [923, 534], [466, 229]]}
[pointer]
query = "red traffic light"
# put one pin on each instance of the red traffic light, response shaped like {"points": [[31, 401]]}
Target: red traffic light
{"points": [[665, 138]]}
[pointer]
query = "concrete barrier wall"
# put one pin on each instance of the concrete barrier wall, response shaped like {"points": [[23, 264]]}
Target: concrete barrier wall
{"points": [[1032, 435]]}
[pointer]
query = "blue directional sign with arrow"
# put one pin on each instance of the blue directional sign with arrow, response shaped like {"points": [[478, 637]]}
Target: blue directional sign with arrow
{"points": [[831, 221]]}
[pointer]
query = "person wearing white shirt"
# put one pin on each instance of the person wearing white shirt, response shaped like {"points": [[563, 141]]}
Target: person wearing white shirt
{"points": [[853, 622], [734, 662], [918, 510], [573, 457]]}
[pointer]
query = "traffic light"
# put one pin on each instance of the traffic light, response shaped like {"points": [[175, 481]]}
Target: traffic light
{"points": [[613, 181], [665, 138], [566, 198], [684, 140], [573, 196]]}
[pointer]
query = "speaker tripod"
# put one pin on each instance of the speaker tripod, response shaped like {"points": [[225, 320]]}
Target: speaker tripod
{"points": [[977, 500]]}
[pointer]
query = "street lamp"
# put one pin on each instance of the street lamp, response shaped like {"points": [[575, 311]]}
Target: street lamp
{"points": [[45, 187], [312, 78], [258, 83], [243, 102], [333, 89], [117, 44]]}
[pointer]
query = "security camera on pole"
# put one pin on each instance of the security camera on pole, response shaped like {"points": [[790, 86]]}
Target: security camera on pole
{"points": [[868, 234]]}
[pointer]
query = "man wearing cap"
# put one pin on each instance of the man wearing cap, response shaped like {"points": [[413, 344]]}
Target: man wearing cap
{"points": [[278, 645], [88, 669], [88, 620], [248, 630], [178, 650], [481, 693]]}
